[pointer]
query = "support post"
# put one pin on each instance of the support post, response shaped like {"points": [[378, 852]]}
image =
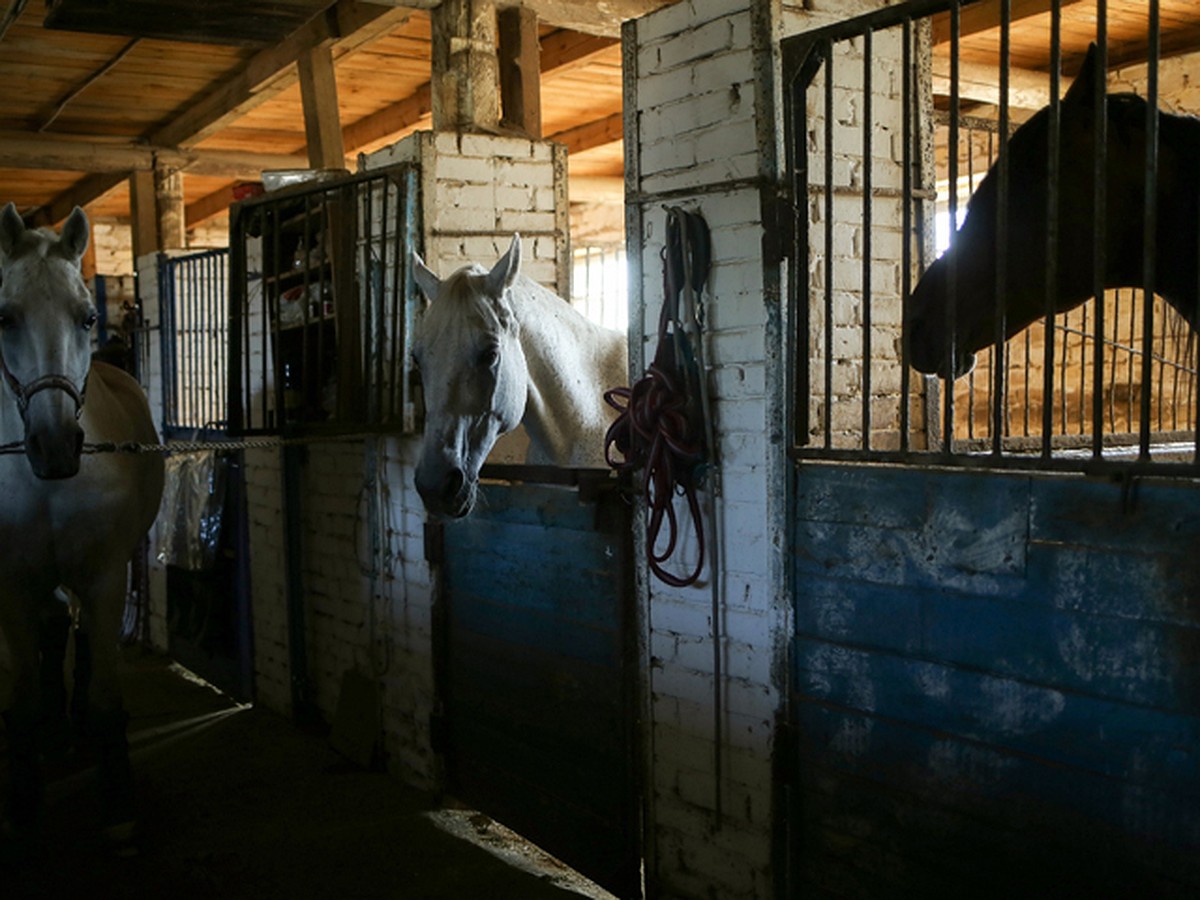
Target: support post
{"points": [[520, 71], [172, 217], [465, 67], [322, 125], [143, 210]]}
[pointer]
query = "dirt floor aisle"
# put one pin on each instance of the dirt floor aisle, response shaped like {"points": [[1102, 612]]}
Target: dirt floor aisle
{"points": [[237, 803]]}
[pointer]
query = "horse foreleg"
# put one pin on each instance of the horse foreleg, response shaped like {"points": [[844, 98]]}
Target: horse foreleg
{"points": [[23, 794], [101, 612], [54, 627]]}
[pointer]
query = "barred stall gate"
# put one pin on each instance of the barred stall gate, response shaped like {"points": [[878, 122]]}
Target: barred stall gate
{"points": [[994, 680], [537, 670]]}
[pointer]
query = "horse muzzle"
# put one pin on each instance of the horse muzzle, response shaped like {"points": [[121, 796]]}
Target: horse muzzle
{"points": [[445, 491], [55, 455]]}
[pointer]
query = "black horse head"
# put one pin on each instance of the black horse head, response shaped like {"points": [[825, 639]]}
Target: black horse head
{"points": [[965, 277]]}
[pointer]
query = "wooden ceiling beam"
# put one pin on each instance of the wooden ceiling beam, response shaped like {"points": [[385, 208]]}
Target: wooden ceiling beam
{"points": [[208, 206], [89, 190], [590, 18], [591, 134], [56, 152], [560, 50], [985, 15], [345, 26]]}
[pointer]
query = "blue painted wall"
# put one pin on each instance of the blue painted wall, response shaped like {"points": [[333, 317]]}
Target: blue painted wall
{"points": [[996, 685]]}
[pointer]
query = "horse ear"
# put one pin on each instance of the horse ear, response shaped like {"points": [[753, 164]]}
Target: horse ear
{"points": [[505, 271], [75, 234], [11, 229], [1082, 90], [429, 283]]}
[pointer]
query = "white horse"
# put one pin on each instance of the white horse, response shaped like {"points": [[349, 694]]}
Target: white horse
{"points": [[66, 520], [495, 350]]}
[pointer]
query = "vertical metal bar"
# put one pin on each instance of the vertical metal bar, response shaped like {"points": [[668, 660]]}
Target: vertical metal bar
{"points": [[1112, 366], [1149, 226], [1052, 202], [906, 91], [998, 359], [166, 292], [951, 262], [868, 124], [1083, 361], [1134, 363], [828, 312], [1100, 205], [397, 352], [405, 244], [372, 315], [273, 322]]}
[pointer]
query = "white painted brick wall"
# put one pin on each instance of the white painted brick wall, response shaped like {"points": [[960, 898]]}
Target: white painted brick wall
{"points": [[698, 103], [487, 187]]}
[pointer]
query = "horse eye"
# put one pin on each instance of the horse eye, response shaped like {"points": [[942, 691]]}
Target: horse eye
{"points": [[488, 357], [89, 322]]}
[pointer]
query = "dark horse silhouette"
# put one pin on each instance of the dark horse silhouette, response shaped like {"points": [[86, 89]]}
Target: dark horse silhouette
{"points": [[974, 251]]}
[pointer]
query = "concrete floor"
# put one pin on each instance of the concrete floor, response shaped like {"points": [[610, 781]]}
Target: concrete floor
{"points": [[237, 803]]}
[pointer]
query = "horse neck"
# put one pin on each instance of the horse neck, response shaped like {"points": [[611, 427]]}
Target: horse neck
{"points": [[568, 359], [1178, 200]]}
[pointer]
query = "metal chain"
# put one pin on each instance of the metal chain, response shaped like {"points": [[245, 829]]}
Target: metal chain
{"points": [[267, 443]]}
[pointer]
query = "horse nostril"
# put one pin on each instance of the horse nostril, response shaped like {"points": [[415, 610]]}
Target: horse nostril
{"points": [[454, 483]]}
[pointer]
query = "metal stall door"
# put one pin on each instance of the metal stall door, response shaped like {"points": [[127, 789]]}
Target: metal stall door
{"points": [[538, 673]]}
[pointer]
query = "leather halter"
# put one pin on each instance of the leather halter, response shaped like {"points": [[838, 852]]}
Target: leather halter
{"points": [[25, 392]]}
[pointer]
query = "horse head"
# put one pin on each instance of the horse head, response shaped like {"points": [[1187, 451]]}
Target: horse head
{"points": [[46, 314], [959, 288], [474, 376]]}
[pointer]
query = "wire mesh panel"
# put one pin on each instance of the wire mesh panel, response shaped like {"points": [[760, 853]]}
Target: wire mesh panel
{"points": [[957, 209], [322, 309], [193, 291]]}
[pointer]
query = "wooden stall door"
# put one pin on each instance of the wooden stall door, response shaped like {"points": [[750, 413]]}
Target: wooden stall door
{"points": [[538, 673]]}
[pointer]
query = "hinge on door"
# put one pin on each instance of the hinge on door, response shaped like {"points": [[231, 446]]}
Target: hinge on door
{"points": [[434, 543]]}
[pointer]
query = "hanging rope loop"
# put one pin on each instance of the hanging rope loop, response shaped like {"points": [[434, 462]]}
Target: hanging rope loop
{"points": [[660, 427]]}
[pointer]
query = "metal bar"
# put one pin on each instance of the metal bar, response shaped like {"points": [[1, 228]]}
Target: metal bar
{"points": [[396, 349], [951, 263], [828, 361], [1149, 223], [1100, 204], [999, 360], [868, 124], [368, 290], [1053, 149], [907, 104]]}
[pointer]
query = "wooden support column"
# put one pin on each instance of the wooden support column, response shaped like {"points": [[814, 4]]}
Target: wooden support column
{"points": [[172, 217], [465, 68], [322, 124], [521, 71], [143, 210]]}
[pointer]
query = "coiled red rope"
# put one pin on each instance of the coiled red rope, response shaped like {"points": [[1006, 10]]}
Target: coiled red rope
{"points": [[653, 432], [659, 427]]}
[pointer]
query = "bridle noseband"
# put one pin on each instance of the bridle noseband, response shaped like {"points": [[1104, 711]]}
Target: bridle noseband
{"points": [[25, 392]]}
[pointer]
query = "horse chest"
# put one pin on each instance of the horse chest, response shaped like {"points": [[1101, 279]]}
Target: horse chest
{"points": [[42, 520]]}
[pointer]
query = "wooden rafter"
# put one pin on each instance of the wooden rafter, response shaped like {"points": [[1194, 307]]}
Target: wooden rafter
{"points": [[345, 27], [592, 134], [985, 16]]}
